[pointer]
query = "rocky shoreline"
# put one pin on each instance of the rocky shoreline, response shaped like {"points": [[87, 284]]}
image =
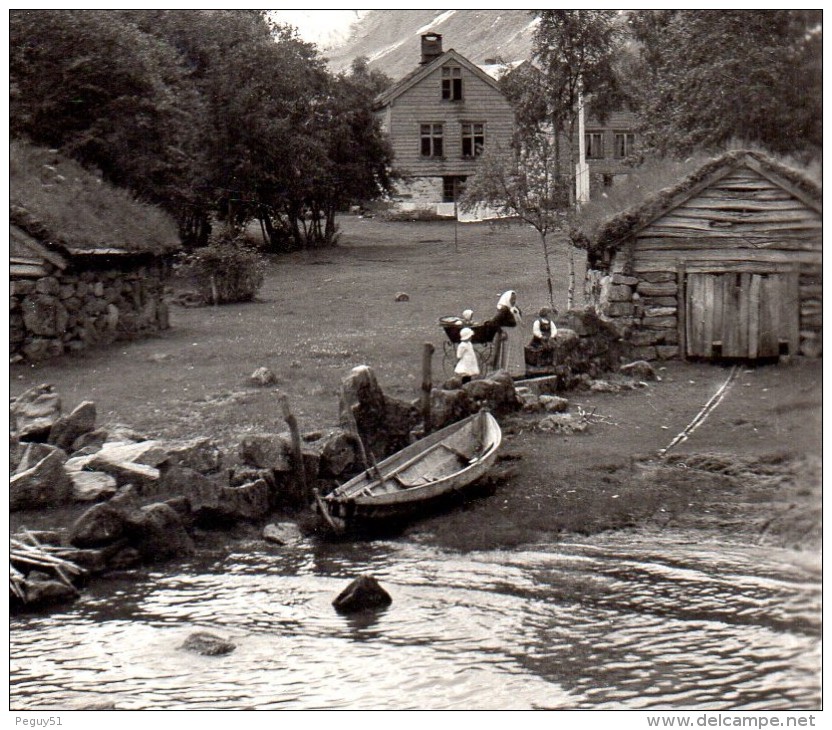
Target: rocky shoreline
{"points": [[109, 498]]}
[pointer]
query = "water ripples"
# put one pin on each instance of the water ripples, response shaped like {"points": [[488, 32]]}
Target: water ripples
{"points": [[621, 622]]}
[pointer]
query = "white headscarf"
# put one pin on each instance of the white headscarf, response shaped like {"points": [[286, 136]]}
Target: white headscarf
{"points": [[505, 303], [505, 300]]}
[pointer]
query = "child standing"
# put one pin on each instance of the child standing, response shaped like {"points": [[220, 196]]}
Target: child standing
{"points": [[467, 365]]}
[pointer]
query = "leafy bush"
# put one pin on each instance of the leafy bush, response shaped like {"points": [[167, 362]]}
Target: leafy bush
{"points": [[226, 271]]}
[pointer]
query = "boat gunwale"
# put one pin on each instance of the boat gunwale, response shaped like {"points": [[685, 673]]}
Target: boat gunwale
{"points": [[423, 491]]}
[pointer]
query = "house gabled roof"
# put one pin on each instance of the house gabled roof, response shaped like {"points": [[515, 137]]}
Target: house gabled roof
{"points": [[415, 76], [629, 222]]}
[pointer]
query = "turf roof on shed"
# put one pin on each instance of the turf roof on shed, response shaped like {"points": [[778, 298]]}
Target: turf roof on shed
{"points": [[618, 228]]}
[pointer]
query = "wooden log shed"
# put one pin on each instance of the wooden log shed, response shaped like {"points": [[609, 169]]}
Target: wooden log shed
{"points": [[725, 265]]}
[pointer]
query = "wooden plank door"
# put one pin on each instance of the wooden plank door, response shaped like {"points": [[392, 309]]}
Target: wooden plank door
{"points": [[741, 314]]}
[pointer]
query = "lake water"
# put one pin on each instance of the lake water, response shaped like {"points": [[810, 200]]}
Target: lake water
{"points": [[621, 621]]}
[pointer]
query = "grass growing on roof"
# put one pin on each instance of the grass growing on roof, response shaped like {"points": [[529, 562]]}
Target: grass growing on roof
{"points": [[650, 188], [56, 200]]}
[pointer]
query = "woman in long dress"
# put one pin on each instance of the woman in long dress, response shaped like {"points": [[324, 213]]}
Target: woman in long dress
{"points": [[510, 318]]}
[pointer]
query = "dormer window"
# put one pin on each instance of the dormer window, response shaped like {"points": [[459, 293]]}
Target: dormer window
{"points": [[451, 83]]}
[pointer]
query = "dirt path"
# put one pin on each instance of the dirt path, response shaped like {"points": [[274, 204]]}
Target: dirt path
{"points": [[751, 472]]}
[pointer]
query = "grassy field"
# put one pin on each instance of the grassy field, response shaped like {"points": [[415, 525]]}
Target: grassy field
{"points": [[754, 466], [319, 314]]}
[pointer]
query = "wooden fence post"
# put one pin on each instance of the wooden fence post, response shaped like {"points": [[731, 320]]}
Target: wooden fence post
{"points": [[297, 454], [427, 384]]}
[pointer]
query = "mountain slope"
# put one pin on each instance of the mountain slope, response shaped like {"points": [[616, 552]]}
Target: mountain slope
{"points": [[391, 39]]}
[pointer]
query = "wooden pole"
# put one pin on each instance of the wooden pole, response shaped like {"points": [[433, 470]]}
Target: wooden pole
{"points": [[292, 422], [367, 455], [427, 384]]}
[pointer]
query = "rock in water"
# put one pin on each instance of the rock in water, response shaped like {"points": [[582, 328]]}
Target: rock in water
{"points": [[158, 533], [282, 533], [202, 642], [363, 593], [100, 525]]}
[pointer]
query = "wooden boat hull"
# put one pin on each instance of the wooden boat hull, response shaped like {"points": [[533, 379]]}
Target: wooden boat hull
{"points": [[416, 479]]}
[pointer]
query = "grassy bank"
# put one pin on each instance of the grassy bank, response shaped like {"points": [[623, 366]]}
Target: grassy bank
{"points": [[319, 314]]}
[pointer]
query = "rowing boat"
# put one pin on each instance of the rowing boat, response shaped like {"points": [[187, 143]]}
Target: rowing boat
{"points": [[413, 479]]}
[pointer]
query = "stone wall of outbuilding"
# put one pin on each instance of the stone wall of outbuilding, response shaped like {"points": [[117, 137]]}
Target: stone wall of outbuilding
{"points": [[71, 310]]}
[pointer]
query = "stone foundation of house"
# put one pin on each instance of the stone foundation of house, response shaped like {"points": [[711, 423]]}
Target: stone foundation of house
{"points": [[71, 311], [420, 194]]}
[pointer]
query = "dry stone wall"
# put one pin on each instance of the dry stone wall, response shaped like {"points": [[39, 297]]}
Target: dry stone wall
{"points": [[69, 311]]}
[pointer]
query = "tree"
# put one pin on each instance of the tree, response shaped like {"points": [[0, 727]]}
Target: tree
{"points": [[522, 181], [709, 76], [108, 94], [574, 51], [573, 58]]}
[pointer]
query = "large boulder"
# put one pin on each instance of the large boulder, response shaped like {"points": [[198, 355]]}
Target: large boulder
{"points": [[200, 454], [449, 406], [129, 463], [102, 524], [338, 449], [90, 442], [250, 501], [364, 593], [158, 534], [44, 485], [35, 412], [68, 428], [266, 451], [146, 453], [495, 392], [361, 406], [384, 424], [34, 452], [202, 492]]}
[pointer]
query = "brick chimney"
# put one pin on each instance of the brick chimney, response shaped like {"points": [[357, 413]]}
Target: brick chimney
{"points": [[431, 47]]}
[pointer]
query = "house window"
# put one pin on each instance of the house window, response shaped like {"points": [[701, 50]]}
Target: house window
{"points": [[452, 186], [473, 139], [624, 144], [431, 135], [594, 145], [451, 83]]}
